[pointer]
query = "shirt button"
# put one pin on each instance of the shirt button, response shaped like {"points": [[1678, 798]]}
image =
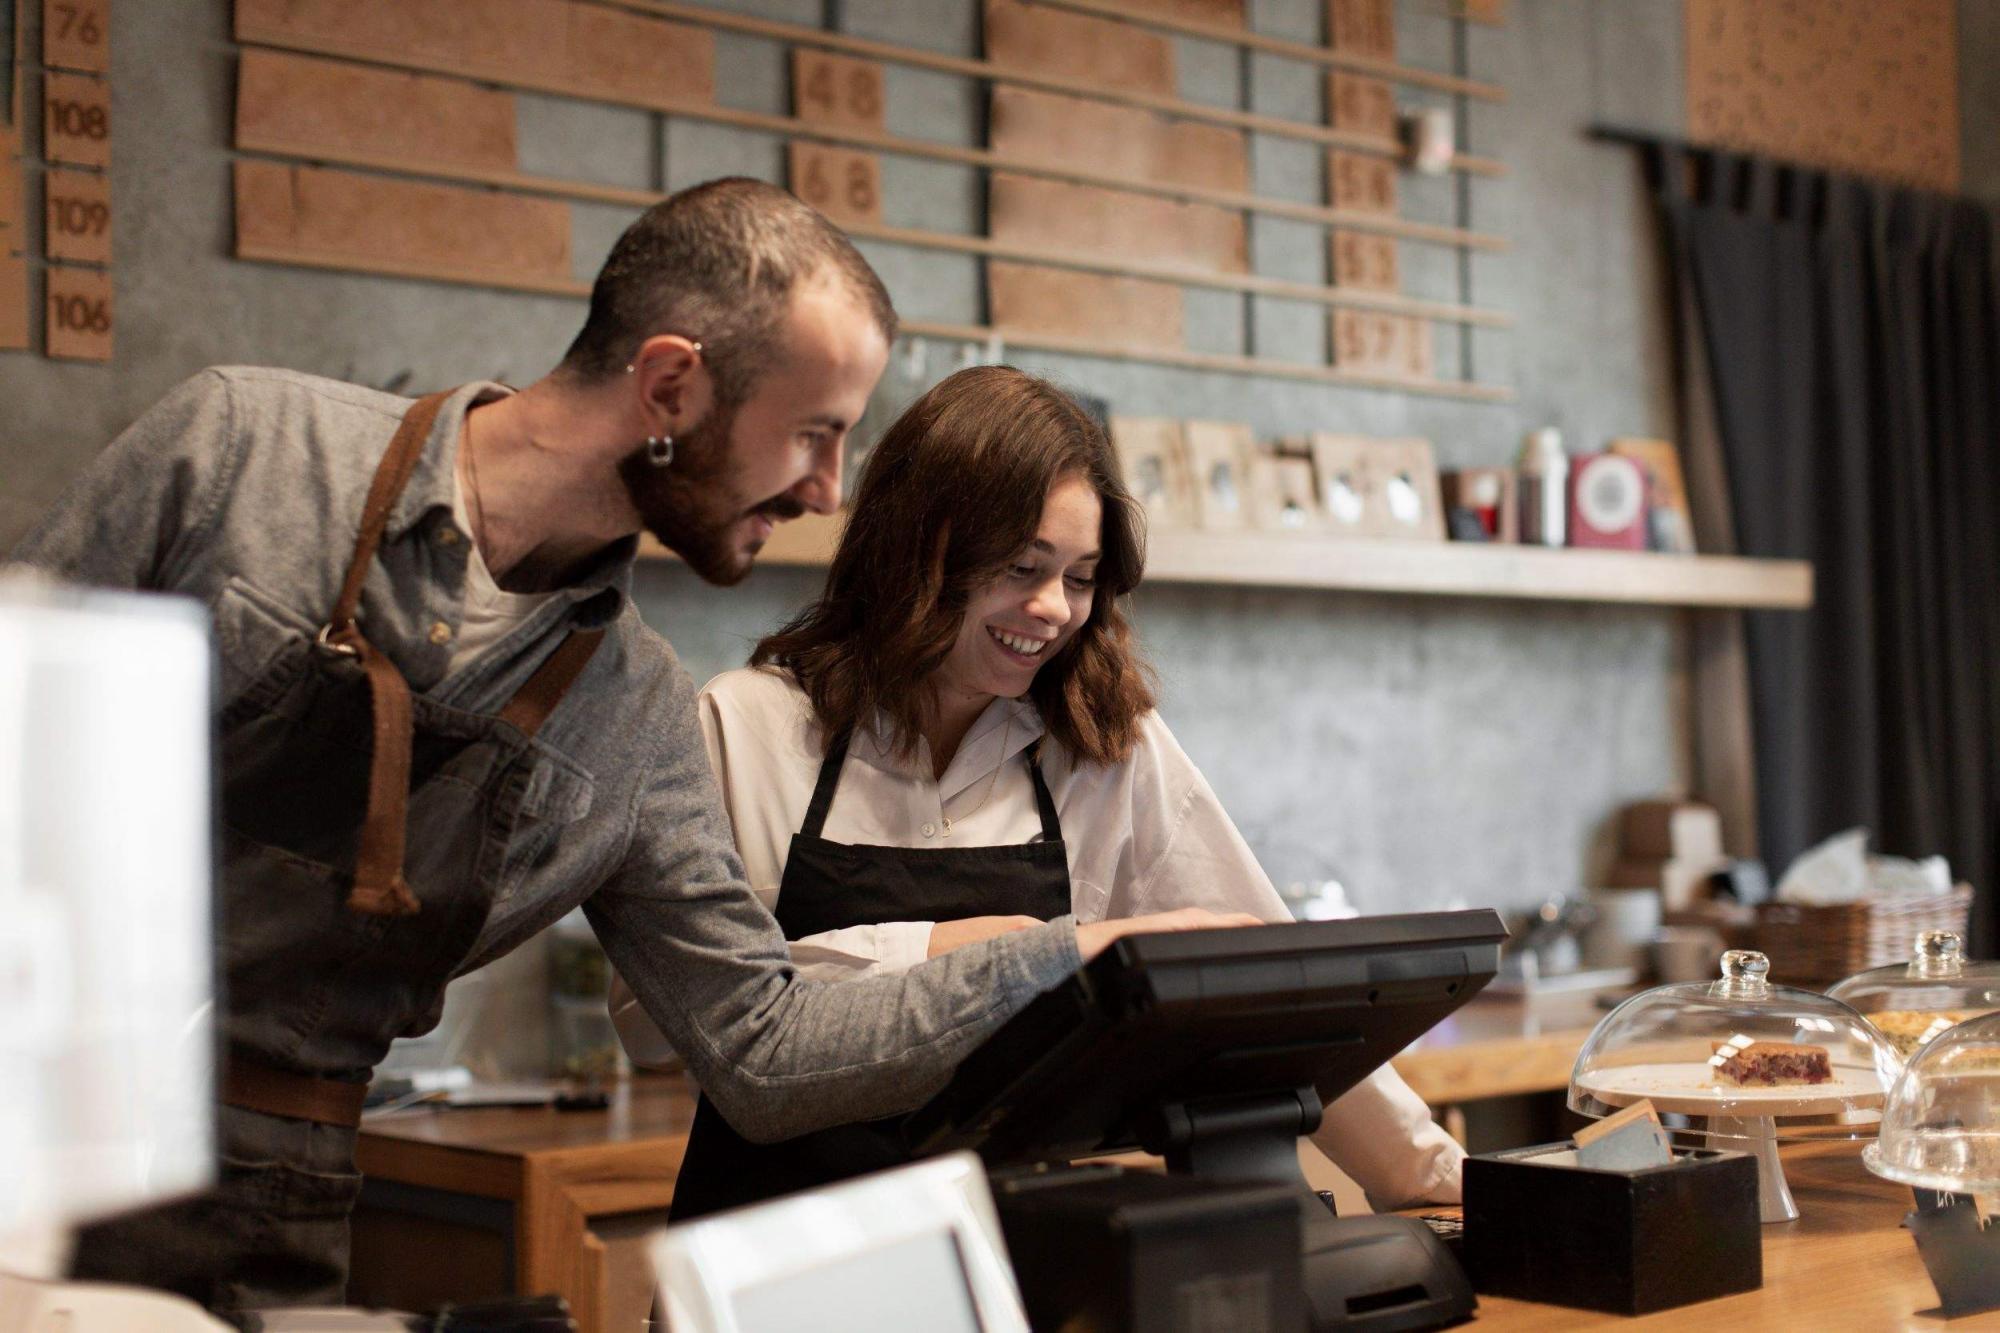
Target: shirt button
{"points": [[447, 535], [930, 830], [440, 633]]}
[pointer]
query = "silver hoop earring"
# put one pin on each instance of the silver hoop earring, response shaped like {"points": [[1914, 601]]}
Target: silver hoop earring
{"points": [[660, 450]]}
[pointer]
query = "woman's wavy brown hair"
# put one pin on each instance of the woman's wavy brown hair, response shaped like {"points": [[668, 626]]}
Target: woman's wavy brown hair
{"points": [[949, 499]]}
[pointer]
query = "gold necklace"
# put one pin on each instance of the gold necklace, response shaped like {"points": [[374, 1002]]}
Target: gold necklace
{"points": [[992, 780]]}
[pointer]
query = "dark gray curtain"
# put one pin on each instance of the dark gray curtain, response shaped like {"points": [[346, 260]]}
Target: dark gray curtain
{"points": [[1848, 334]]}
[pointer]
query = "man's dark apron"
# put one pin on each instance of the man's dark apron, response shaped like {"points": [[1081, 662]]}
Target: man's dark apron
{"points": [[830, 886], [331, 945]]}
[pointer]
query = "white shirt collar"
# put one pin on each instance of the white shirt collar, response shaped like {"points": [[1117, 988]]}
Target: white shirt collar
{"points": [[1002, 730]]}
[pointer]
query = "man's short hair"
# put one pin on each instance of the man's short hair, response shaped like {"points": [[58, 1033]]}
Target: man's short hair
{"points": [[717, 263]]}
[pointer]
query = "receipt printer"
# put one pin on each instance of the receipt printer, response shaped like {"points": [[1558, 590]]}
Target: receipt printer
{"points": [[1100, 1247]]}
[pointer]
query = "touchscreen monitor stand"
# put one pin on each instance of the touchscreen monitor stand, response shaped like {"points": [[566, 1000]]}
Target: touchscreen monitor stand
{"points": [[1216, 1050]]}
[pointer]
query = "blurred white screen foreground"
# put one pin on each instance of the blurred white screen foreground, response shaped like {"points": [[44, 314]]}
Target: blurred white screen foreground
{"points": [[916, 1247], [105, 881]]}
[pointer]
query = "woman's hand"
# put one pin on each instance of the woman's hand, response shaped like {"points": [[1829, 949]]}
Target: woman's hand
{"points": [[949, 935], [1095, 938]]}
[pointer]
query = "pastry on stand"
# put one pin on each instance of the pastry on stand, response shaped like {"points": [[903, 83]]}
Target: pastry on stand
{"points": [[1940, 1135], [1751, 1063], [1910, 1003]]}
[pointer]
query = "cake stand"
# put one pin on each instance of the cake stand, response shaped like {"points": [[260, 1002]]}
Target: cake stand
{"points": [[1664, 1046], [1745, 1119]]}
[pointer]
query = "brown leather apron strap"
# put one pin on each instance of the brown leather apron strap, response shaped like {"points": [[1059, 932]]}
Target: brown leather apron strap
{"points": [[391, 475], [379, 888], [534, 701], [274, 1091]]}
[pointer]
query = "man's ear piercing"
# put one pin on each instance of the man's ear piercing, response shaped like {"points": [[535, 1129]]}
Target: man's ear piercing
{"points": [[660, 450]]}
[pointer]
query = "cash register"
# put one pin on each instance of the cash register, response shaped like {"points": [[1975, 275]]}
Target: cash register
{"points": [[1216, 1051]]}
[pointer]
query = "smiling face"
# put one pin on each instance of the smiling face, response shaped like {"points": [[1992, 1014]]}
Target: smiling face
{"points": [[1023, 618], [739, 472]]}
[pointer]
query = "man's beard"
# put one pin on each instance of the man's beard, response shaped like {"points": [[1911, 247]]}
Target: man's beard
{"points": [[690, 505]]}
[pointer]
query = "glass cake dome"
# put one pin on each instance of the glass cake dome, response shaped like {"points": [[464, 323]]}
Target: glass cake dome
{"points": [[1941, 1126], [1739, 1048], [1910, 1003]]}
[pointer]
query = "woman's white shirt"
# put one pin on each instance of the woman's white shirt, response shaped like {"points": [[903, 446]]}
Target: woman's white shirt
{"points": [[1146, 835]]}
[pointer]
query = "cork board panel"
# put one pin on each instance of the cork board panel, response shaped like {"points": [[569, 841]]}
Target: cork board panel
{"points": [[1049, 129], [618, 54], [1360, 182], [82, 318], [842, 183], [76, 120], [1211, 156], [1087, 220], [592, 50], [1362, 104], [1365, 261], [1867, 87], [13, 300], [1053, 41], [1362, 27], [1378, 344], [11, 198], [76, 34], [837, 90], [1222, 13], [1127, 313], [496, 38], [373, 223], [77, 216], [299, 104]]}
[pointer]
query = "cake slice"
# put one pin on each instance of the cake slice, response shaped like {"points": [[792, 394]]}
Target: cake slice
{"points": [[1908, 1029], [1770, 1064]]}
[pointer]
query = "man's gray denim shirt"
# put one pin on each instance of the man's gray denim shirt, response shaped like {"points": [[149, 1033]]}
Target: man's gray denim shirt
{"points": [[247, 484]]}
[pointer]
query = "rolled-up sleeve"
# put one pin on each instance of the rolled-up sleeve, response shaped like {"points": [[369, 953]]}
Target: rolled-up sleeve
{"points": [[780, 1054]]}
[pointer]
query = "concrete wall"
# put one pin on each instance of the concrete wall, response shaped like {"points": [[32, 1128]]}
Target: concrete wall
{"points": [[1423, 751]]}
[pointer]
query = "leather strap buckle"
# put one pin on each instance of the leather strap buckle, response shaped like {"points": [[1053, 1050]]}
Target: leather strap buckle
{"points": [[326, 643]]}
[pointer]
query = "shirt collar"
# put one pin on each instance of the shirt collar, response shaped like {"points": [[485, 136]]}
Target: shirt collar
{"points": [[1004, 729], [434, 482]]}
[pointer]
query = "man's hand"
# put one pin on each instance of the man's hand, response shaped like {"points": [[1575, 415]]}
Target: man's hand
{"points": [[1095, 938], [949, 935]]}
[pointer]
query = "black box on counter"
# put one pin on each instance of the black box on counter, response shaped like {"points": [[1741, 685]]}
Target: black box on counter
{"points": [[1103, 1248], [1539, 1228]]}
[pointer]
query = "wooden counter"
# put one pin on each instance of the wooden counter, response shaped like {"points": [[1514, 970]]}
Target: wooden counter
{"points": [[465, 1204]]}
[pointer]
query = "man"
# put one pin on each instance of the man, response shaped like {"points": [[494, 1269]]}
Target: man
{"points": [[443, 725]]}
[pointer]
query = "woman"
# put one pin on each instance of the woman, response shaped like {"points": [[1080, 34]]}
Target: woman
{"points": [[958, 739]]}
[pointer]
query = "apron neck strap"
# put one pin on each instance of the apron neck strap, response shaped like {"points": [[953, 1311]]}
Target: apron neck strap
{"points": [[829, 778], [391, 475], [535, 700], [379, 888], [1045, 803], [836, 756]]}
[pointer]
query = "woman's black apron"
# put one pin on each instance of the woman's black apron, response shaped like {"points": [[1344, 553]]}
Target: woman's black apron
{"points": [[830, 886]]}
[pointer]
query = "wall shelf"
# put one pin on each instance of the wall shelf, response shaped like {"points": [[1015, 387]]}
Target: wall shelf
{"points": [[1445, 569]]}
